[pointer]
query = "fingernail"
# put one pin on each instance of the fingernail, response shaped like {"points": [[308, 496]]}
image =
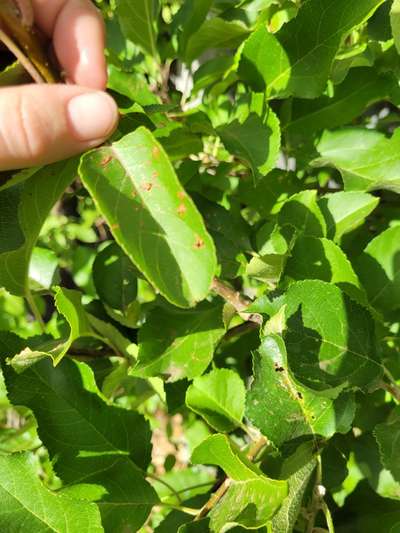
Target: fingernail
{"points": [[92, 116]]}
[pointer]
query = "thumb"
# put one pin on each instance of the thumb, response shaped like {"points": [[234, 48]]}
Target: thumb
{"points": [[41, 124]]}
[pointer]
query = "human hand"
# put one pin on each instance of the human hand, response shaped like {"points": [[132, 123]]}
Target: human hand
{"points": [[40, 124]]}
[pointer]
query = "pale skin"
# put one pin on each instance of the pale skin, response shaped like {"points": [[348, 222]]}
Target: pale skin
{"points": [[40, 124]]}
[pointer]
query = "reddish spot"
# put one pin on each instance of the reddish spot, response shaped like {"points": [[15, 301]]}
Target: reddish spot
{"points": [[181, 195], [114, 226], [182, 209], [133, 193], [155, 175], [199, 242], [156, 152], [147, 186], [106, 160]]}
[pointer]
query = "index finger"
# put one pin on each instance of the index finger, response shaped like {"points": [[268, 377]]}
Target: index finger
{"points": [[77, 30]]}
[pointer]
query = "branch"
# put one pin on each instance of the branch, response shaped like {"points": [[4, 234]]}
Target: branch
{"points": [[237, 300]]}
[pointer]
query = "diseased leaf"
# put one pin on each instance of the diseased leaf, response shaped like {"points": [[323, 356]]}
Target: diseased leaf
{"points": [[289, 409], [378, 268], [25, 500], [298, 59], [219, 397], [366, 159], [176, 344], [152, 218], [24, 207]]}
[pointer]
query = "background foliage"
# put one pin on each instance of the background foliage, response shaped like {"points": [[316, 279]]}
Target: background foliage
{"points": [[200, 319]]}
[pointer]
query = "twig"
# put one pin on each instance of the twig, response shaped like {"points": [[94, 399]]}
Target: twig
{"points": [[392, 388], [183, 509], [252, 454], [256, 448], [317, 501], [238, 301], [169, 487], [214, 499], [28, 66]]}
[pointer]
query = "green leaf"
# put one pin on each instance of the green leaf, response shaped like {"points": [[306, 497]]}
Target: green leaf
{"points": [[191, 16], [361, 88], [115, 277], [322, 259], [285, 519], [43, 268], [69, 305], [214, 33], [220, 451], [346, 211], [25, 500], [151, 216], [298, 59], [252, 498], [300, 214], [289, 409], [99, 446], [378, 268], [176, 344], [395, 23], [249, 504], [388, 438], [219, 397], [137, 23], [24, 207], [330, 338], [366, 159], [256, 141]]}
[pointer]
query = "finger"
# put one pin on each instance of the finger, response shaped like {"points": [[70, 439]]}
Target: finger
{"points": [[77, 30], [44, 123]]}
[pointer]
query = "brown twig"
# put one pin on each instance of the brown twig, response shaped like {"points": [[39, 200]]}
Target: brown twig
{"points": [[237, 300], [23, 39]]}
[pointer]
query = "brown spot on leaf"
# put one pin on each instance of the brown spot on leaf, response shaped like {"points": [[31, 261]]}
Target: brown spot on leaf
{"points": [[279, 369], [181, 195], [155, 152], [106, 160], [155, 175], [182, 209], [199, 243], [114, 226], [299, 395], [147, 186]]}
